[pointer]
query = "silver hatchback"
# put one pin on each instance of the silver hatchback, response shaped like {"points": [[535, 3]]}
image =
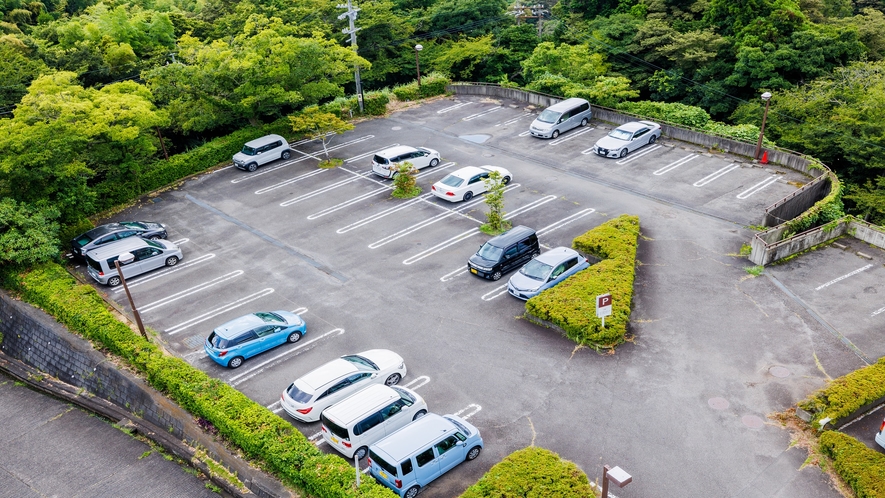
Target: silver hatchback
{"points": [[149, 255]]}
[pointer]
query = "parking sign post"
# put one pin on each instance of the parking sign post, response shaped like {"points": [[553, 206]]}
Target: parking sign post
{"points": [[603, 306]]}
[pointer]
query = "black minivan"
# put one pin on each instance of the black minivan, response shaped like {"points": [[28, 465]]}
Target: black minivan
{"points": [[503, 253]]}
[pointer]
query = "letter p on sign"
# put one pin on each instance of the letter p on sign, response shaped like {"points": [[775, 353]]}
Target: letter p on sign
{"points": [[603, 305]]}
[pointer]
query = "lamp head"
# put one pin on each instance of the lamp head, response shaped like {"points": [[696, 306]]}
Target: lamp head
{"points": [[418, 47], [766, 95]]}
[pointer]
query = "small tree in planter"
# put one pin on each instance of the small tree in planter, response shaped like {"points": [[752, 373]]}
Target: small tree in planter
{"points": [[495, 200], [316, 123], [405, 185]]}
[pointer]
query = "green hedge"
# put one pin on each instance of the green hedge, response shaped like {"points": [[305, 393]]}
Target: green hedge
{"points": [[861, 467], [571, 305], [431, 85], [675, 113], [263, 436], [532, 473], [847, 394], [374, 104], [826, 210]]}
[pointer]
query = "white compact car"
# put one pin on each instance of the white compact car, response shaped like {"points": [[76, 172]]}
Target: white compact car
{"points": [[626, 138], [463, 184], [386, 163]]}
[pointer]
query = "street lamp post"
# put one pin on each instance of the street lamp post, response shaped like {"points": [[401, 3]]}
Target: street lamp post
{"points": [[126, 258], [766, 97], [417, 65], [615, 475]]}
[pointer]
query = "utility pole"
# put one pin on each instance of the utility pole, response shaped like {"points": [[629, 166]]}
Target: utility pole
{"points": [[351, 17]]}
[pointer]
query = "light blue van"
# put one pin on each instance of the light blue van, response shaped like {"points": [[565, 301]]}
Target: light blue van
{"points": [[415, 455]]}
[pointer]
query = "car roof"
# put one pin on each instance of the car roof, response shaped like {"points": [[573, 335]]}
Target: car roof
{"points": [[395, 151], [556, 255], [329, 372], [633, 126], [117, 247], [105, 229], [232, 328], [415, 436], [467, 171], [258, 142], [515, 234], [369, 399], [567, 104]]}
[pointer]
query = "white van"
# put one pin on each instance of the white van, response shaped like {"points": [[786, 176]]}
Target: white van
{"points": [[149, 255], [354, 423], [261, 151], [561, 117]]}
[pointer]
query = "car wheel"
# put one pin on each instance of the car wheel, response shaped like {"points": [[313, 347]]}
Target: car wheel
{"points": [[286, 155], [468, 195], [114, 281], [584, 122], [412, 492], [418, 415], [155, 237], [623, 152], [473, 453], [555, 134], [171, 261], [496, 276], [235, 362], [505, 180], [434, 162], [393, 380], [652, 139], [252, 167], [361, 453], [294, 337]]}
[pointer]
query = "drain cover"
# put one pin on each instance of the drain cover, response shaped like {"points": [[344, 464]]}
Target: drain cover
{"points": [[718, 403], [194, 341], [779, 371], [752, 421]]}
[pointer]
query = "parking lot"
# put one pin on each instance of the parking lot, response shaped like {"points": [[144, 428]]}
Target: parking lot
{"points": [[712, 350]]}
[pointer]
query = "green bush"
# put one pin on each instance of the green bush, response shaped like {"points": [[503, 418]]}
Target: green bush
{"points": [[742, 132], [845, 395], [532, 473], [405, 93], [374, 104], [861, 467], [673, 113], [262, 435], [431, 85], [571, 305]]}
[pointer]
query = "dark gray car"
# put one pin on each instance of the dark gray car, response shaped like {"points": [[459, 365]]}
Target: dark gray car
{"points": [[110, 232]]}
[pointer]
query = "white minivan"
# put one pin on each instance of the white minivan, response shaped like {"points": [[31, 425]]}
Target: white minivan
{"points": [[351, 425], [561, 117]]}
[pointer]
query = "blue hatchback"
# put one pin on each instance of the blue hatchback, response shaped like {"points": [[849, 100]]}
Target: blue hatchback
{"points": [[230, 344], [546, 271]]}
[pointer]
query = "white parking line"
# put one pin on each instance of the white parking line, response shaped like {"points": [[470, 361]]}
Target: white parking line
{"points": [[675, 164], [524, 134], [756, 188], [217, 311], [327, 188], [367, 154], [452, 107], [417, 382], [513, 120], [878, 311], [265, 170], [275, 407], [452, 274], [376, 216], [180, 241], [712, 176], [571, 136], [469, 233], [565, 221], [290, 181], [480, 114], [187, 292], [254, 370], [163, 273], [473, 410], [843, 277], [636, 156], [497, 291]]}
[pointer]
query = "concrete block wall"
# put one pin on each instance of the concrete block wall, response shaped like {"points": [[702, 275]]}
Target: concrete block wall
{"points": [[767, 246]]}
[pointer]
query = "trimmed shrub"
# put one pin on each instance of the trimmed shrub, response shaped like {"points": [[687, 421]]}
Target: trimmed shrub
{"points": [[861, 467], [571, 305], [673, 113], [262, 435], [532, 473], [431, 85], [847, 394], [405, 93]]}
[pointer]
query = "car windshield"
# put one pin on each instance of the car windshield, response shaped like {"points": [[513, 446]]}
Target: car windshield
{"points": [[134, 224], [621, 134], [269, 317], [249, 151], [536, 270], [217, 341], [452, 181], [490, 252], [422, 149], [549, 116], [298, 395], [83, 240], [360, 360]]}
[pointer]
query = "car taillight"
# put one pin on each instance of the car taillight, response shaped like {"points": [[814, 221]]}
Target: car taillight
{"points": [[346, 444], [222, 353], [398, 483], [101, 274], [450, 193], [324, 429], [369, 461], [304, 411], [882, 427], [433, 187]]}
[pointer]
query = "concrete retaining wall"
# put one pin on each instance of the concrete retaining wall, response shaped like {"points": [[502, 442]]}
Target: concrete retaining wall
{"points": [[767, 246]]}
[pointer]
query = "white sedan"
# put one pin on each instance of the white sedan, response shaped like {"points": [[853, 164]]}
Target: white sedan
{"points": [[463, 184], [627, 138], [307, 397]]}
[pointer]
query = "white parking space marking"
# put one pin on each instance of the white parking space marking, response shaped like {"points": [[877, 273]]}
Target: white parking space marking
{"points": [[636, 156], [843, 277], [217, 311], [878, 311], [254, 370], [376, 216], [497, 291], [571, 136], [432, 220], [327, 188], [275, 407], [163, 273], [187, 292], [712, 176], [513, 120], [367, 154], [756, 188], [451, 275], [524, 134], [675, 164], [417, 382], [480, 114], [469, 233], [266, 170], [471, 409], [290, 181], [385, 188], [180, 241], [452, 107], [565, 221]]}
